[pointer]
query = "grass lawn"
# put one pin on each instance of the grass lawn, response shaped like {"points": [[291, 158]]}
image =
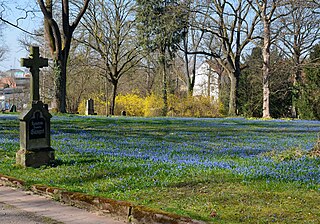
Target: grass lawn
{"points": [[218, 170]]}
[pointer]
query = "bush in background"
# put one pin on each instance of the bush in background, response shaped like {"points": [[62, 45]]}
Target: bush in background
{"points": [[194, 107], [151, 106], [132, 103]]}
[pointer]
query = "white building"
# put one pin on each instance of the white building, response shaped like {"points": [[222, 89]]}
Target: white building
{"points": [[206, 82], [14, 89]]}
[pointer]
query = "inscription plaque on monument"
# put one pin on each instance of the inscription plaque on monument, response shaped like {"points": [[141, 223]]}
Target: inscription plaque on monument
{"points": [[35, 149], [37, 126]]}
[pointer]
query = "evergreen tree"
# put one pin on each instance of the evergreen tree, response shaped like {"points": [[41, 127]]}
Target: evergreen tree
{"points": [[308, 104], [251, 80], [161, 25], [280, 85], [250, 86]]}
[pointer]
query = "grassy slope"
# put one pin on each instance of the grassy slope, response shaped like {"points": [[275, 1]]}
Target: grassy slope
{"points": [[163, 163]]}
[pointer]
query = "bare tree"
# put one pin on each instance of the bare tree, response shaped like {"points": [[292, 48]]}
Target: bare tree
{"points": [[80, 83], [193, 41], [265, 9], [59, 39], [25, 12], [110, 27], [300, 32], [2, 47], [229, 29]]}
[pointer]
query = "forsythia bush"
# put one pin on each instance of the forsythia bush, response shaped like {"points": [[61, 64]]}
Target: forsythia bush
{"points": [[194, 107], [131, 103], [82, 107], [151, 106]]}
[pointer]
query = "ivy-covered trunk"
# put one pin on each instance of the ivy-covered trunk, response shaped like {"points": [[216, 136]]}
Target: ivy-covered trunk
{"points": [[60, 87], [233, 95]]}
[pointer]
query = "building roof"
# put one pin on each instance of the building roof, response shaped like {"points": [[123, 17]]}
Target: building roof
{"points": [[14, 78]]}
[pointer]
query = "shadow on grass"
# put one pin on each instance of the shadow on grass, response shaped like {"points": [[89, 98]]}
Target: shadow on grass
{"points": [[60, 162]]}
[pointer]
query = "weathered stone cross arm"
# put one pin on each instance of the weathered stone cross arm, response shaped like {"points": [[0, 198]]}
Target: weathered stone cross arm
{"points": [[34, 62]]}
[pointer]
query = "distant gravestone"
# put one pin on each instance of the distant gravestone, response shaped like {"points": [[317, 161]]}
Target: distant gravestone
{"points": [[13, 108], [46, 106], [90, 107], [35, 149]]}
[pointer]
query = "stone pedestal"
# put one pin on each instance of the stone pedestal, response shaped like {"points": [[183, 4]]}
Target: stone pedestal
{"points": [[35, 149], [35, 158]]}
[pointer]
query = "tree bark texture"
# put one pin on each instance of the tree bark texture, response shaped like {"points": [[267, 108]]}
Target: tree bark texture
{"points": [[113, 97], [60, 77], [233, 95], [164, 84], [266, 69]]}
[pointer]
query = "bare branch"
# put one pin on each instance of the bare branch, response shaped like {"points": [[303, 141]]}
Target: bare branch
{"points": [[16, 26]]}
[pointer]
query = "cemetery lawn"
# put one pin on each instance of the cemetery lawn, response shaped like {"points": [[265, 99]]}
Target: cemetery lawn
{"points": [[230, 170]]}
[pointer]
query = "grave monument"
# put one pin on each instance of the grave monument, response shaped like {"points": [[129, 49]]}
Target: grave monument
{"points": [[35, 149], [90, 107]]}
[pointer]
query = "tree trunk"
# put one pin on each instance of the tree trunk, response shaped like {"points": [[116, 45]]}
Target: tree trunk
{"points": [[114, 94], [165, 92], [266, 71], [266, 97], [233, 95], [107, 95], [190, 82], [296, 80], [294, 97], [60, 79], [59, 43], [192, 79], [164, 83]]}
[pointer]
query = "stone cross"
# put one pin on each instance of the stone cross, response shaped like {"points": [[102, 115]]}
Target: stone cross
{"points": [[34, 62]]}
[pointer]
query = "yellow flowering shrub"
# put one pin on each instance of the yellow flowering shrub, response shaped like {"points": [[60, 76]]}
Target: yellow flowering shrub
{"points": [[131, 103], [151, 106], [82, 107], [194, 107]]}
